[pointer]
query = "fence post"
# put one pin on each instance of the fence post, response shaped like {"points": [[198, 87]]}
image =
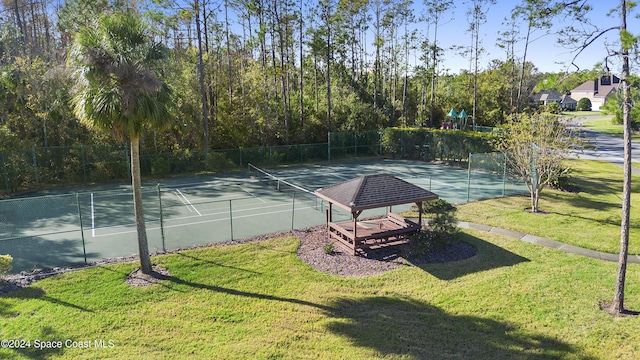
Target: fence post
{"points": [[329, 146], [504, 174], [35, 167], [355, 144], [84, 248], [5, 175], [84, 163], [469, 178], [164, 248]]}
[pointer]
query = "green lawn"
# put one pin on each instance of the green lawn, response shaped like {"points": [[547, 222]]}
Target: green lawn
{"points": [[513, 300], [581, 113], [589, 218], [605, 125]]}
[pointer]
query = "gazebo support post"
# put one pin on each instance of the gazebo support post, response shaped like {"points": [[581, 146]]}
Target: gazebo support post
{"points": [[419, 204]]}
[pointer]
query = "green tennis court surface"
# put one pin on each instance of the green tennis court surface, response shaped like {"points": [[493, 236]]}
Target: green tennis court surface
{"points": [[74, 227]]}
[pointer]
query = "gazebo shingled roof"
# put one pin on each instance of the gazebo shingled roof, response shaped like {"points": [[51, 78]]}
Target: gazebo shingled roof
{"points": [[370, 192], [374, 191]]}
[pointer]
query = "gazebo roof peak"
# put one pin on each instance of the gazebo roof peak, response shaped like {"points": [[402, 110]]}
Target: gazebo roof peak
{"points": [[373, 191]]}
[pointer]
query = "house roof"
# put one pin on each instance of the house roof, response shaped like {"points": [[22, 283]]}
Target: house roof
{"points": [[601, 87], [552, 95], [373, 191], [566, 99]]}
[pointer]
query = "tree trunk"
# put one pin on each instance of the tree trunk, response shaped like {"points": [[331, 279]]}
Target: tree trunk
{"points": [[618, 299], [203, 92], [143, 246]]}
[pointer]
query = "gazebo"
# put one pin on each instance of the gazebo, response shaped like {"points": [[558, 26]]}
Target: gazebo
{"points": [[372, 192]]}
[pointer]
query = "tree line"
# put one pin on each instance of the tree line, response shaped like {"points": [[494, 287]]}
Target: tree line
{"points": [[270, 72]]}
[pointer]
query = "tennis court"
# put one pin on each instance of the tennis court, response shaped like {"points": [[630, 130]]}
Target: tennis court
{"points": [[77, 227]]}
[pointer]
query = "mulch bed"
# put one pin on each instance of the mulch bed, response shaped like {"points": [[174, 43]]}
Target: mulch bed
{"points": [[311, 251]]}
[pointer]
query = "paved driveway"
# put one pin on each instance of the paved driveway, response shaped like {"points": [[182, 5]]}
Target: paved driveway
{"points": [[607, 147]]}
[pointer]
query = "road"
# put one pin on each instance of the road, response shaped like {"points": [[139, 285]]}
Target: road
{"points": [[606, 147]]}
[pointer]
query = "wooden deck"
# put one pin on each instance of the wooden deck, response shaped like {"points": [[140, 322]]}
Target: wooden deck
{"points": [[372, 234]]}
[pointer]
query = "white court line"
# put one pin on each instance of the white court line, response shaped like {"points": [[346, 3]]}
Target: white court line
{"points": [[419, 177], [207, 221], [211, 214], [394, 171], [250, 193], [188, 203], [422, 180]]}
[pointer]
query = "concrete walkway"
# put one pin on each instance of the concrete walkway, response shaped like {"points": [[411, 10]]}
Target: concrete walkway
{"points": [[631, 259]]}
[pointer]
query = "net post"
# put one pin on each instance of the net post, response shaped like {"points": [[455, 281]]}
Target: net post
{"points": [[231, 219], [84, 248], [469, 178], [164, 248], [293, 210]]}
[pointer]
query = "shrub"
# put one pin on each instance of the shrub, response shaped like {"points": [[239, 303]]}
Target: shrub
{"points": [[584, 104], [442, 228], [218, 162], [5, 264], [554, 108], [328, 248], [563, 180], [160, 166]]}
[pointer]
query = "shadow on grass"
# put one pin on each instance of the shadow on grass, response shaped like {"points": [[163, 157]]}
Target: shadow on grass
{"points": [[197, 261], [409, 328], [37, 293], [48, 345], [488, 256], [223, 290], [49, 339]]}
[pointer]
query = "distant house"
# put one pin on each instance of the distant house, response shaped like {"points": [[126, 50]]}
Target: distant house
{"points": [[546, 97], [597, 90]]}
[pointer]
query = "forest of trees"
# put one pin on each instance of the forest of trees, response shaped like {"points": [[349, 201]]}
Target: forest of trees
{"points": [[271, 72]]}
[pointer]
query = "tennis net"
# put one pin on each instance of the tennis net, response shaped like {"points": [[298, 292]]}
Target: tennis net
{"points": [[281, 185]]}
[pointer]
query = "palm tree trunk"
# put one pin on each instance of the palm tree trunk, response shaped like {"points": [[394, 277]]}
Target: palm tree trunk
{"points": [[143, 245]]}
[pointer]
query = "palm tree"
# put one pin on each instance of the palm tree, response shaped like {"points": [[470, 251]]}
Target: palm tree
{"points": [[118, 91]]}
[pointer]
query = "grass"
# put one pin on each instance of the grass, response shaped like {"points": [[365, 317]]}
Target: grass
{"points": [[605, 125], [589, 218], [581, 113], [513, 300]]}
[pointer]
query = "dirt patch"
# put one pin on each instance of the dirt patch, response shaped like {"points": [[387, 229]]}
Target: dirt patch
{"points": [[137, 278]]}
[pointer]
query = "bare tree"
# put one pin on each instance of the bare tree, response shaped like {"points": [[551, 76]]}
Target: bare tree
{"points": [[478, 13], [536, 147], [627, 42], [436, 9]]}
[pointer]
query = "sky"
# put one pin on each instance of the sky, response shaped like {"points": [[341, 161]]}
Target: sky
{"points": [[543, 52]]}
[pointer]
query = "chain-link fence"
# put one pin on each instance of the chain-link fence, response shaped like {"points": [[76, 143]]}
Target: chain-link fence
{"points": [[37, 168], [51, 231], [490, 177]]}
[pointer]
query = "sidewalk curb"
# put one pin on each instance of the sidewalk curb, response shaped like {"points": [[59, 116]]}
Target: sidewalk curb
{"points": [[537, 240]]}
